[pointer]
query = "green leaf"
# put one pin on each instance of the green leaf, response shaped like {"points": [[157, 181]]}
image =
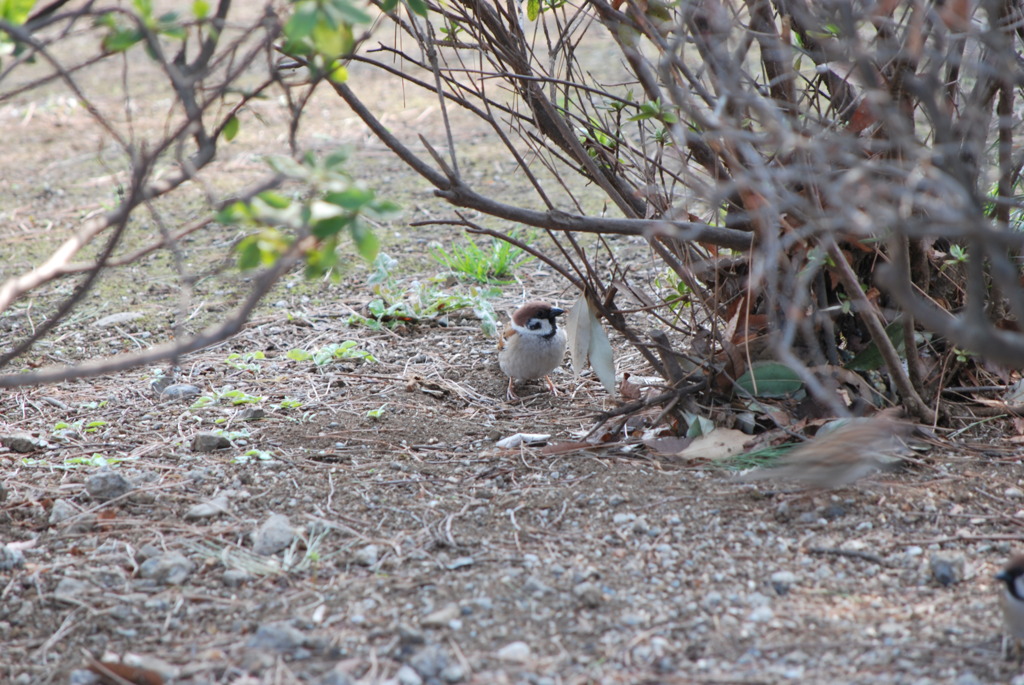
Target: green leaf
{"points": [[298, 355], [388, 5], [249, 253], [769, 379], [532, 9], [144, 7], [275, 200], [330, 41], [418, 6], [231, 129], [201, 9], [870, 358], [366, 241], [325, 228], [120, 40], [15, 11], [352, 199], [347, 11], [302, 22]]}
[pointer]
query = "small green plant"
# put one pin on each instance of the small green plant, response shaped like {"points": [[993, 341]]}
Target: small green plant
{"points": [[957, 255], [678, 294], [397, 302], [230, 396], [80, 428], [288, 403], [95, 459], [348, 349], [492, 264], [376, 413], [245, 361], [253, 455]]}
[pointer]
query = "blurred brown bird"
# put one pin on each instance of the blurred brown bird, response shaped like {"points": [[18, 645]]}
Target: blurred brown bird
{"points": [[852, 450], [1012, 602]]}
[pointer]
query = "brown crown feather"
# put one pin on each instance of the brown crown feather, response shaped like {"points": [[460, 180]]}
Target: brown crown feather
{"points": [[530, 310]]}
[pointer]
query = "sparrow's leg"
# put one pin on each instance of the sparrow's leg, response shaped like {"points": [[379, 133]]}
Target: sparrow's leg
{"points": [[551, 386], [511, 394]]}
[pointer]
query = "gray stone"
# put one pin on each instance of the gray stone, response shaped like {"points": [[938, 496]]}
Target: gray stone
{"points": [[429, 661], [22, 442], [235, 577], [61, 511], [83, 677], [441, 617], [453, 673], [589, 594], [10, 558], [408, 676], [179, 390], [252, 414], [408, 635], [337, 677], [204, 510], [69, 589], [782, 581], [106, 485], [367, 556], [517, 651], [276, 637], [274, 535], [209, 442], [948, 569], [169, 568]]}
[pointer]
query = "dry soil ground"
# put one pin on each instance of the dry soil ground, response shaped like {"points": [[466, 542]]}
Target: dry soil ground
{"points": [[414, 549]]}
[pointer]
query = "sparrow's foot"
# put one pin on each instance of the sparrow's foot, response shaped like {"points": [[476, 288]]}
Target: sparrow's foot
{"points": [[511, 392], [551, 386]]}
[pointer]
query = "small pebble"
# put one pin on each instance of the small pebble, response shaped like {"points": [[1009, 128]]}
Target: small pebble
{"points": [[441, 617], [407, 675], [782, 581], [106, 485], [22, 442], [169, 568], [209, 442], [61, 511], [518, 652], [10, 558], [204, 510], [274, 535], [367, 556], [947, 569], [180, 390], [235, 577], [276, 637]]}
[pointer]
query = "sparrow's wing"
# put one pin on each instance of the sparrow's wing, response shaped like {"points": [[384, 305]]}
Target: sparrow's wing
{"points": [[505, 335]]}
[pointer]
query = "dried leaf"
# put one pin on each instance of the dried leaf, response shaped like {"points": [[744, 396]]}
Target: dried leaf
{"points": [[577, 328], [589, 344], [718, 444], [602, 360]]}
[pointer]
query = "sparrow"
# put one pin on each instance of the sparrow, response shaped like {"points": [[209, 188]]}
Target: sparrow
{"points": [[1013, 602], [842, 455], [532, 345]]}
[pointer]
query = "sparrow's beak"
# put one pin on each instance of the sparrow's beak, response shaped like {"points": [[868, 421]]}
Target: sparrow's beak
{"points": [[555, 311], [1003, 576]]}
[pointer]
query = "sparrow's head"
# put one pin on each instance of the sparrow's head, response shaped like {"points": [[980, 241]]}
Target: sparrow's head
{"points": [[1013, 576], [536, 318]]}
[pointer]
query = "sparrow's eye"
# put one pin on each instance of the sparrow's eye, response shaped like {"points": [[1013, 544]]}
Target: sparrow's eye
{"points": [[533, 325]]}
